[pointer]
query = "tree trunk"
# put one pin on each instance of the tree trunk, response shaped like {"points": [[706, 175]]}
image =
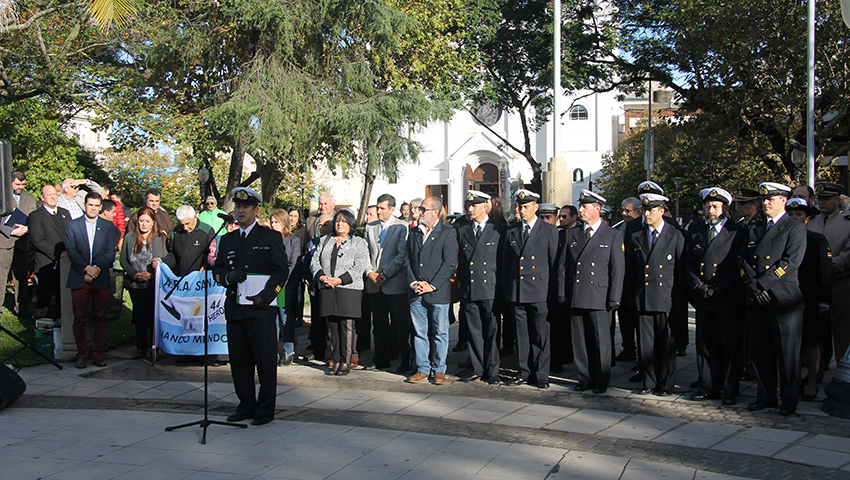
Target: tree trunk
{"points": [[368, 183], [234, 176], [270, 177]]}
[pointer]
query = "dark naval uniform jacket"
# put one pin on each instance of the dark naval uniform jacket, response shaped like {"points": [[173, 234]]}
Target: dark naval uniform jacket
{"points": [[658, 273], [715, 263], [260, 253], [772, 258], [478, 266], [528, 266], [590, 274]]}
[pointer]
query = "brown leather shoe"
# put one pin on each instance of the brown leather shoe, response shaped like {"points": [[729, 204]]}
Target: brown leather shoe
{"points": [[439, 379], [417, 377]]}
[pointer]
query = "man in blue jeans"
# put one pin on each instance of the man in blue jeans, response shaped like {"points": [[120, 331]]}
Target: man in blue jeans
{"points": [[432, 250]]}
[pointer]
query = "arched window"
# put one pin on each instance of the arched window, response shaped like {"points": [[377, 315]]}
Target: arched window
{"points": [[578, 175], [578, 112]]}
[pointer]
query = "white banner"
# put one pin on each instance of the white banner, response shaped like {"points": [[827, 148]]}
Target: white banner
{"points": [[179, 319]]}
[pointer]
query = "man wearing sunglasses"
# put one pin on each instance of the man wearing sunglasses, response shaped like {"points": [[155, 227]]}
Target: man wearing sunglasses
{"points": [[210, 216]]}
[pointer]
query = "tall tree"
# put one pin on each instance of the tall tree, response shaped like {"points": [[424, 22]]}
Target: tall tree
{"points": [[744, 61], [514, 38]]}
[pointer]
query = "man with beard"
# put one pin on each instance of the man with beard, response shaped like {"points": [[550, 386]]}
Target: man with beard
{"points": [[717, 291]]}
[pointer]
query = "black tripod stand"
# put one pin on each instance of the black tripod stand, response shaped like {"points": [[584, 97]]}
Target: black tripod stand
{"points": [[25, 345], [205, 422]]}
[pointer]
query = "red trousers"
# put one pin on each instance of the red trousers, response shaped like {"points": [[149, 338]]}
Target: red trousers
{"points": [[99, 302]]}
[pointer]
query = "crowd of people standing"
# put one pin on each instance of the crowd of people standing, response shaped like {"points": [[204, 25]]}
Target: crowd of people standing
{"points": [[548, 284]]}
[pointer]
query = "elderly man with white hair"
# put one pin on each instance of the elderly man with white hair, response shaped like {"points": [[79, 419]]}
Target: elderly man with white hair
{"points": [[73, 195], [189, 241]]}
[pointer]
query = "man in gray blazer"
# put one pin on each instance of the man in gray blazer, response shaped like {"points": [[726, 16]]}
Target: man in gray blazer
{"points": [[386, 284]]}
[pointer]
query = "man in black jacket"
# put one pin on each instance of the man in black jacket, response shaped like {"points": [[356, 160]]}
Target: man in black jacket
{"points": [[479, 254], [531, 246], [769, 258], [189, 241], [590, 282], [432, 250], [717, 290], [47, 234], [658, 285], [251, 321]]}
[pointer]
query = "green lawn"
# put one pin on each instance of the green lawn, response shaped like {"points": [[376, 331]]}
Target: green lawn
{"points": [[119, 332]]}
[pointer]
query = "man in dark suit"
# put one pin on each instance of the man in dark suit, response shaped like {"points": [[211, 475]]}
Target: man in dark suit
{"points": [[251, 321], [717, 291], [480, 243], [590, 281], [90, 245], [529, 256], [432, 248], [47, 233], [770, 257], [15, 244], [658, 285]]}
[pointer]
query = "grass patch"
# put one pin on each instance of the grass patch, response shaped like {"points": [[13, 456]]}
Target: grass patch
{"points": [[119, 332]]}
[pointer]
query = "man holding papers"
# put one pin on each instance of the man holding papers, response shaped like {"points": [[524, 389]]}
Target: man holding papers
{"points": [[251, 335], [15, 243]]}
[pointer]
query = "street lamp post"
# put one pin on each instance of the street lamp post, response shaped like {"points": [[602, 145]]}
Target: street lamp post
{"points": [[678, 182]]}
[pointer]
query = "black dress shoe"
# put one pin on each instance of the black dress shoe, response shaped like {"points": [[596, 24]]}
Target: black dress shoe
{"points": [[261, 421], [238, 417], [470, 378], [699, 397], [728, 402], [600, 389], [644, 391], [581, 387], [756, 406], [681, 351], [494, 381], [81, 363], [625, 356], [542, 385], [638, 377], [515, 382], [665, 393], [810, 398], [787, 411], [99, 361], [382, 364]]}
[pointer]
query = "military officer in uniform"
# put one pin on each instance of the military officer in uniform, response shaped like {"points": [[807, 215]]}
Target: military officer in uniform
{"points": [[590, 282], [717, 292], [747, 205], [835, 226], [251, 322], [655, 255], [770, 256], [480, 243], [529, 255]]}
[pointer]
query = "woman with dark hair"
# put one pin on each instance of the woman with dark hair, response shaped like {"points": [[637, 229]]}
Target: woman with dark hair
{"points": [[279, 221], [338, 267], [497, 213], [297, 227], [142, 251]]}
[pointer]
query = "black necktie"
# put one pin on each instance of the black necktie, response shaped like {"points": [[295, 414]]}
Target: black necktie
{"points": [[654, 238], [588, 232], [712, 232], [477, 231], [525, 232]]}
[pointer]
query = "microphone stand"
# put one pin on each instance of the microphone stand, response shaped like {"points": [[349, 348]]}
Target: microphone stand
{"points": [[205, 422]]}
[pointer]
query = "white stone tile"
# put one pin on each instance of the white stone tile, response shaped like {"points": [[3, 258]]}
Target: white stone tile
{"points": [[547, 410], [468, 414], [640, 427], [497, 406], [524, 420], [815, 457], [749, 447], [357, 471], [770, 435], [828, 442], [587, 421]]}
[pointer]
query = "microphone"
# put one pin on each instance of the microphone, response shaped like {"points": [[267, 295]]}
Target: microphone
{"points": [[227, 218]]}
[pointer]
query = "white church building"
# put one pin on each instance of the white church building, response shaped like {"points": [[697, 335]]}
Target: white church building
{"points": [[462, 154]]}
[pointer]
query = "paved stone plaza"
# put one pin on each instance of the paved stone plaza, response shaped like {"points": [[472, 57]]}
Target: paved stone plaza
{"points": [[109, 423]]}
